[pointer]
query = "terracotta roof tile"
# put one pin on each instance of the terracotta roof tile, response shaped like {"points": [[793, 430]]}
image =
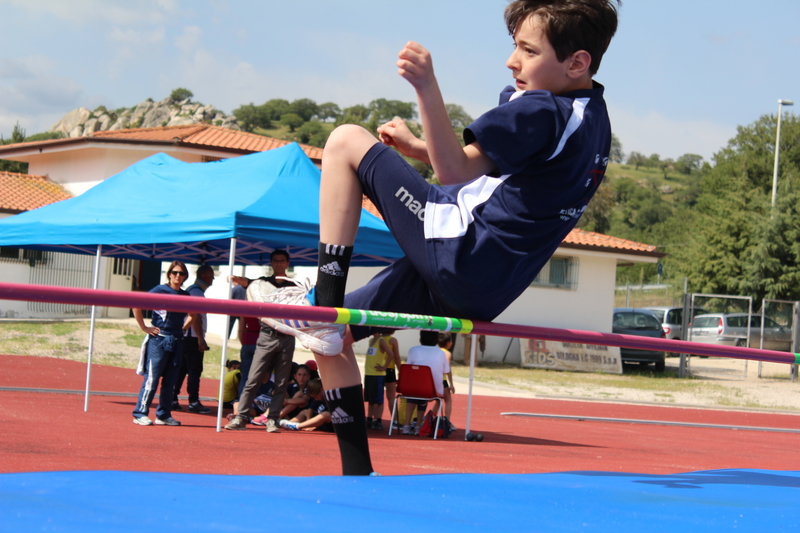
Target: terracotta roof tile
{"points": [[580, 237], [577, 238], [206, 135], [152, 134], [23, 192]]}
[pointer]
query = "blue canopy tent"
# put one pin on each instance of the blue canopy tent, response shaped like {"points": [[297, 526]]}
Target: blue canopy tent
{"points": [[234, 211], [164, 209]]}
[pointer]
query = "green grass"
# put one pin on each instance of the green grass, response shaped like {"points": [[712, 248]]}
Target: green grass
{"points": [[134, 340], [41, 328]]}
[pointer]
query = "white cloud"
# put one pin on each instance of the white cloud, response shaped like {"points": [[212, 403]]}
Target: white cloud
{"points": [[652, 133], [32, 95], [90, 11], [136, 37], [189, 40]]}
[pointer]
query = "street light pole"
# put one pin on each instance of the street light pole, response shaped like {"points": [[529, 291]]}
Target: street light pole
{"points": [[781, 103]]}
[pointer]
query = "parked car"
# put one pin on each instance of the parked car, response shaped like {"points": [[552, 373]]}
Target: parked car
{"points": [[642, 322], [731, 329], [671, 319]]}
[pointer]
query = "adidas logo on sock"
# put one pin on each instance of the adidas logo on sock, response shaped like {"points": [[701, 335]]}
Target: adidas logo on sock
{"points": [[339, 416], [332, 269]]}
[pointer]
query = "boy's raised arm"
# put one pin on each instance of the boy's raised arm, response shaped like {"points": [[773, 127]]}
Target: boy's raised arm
{"points": [[452, 163]]}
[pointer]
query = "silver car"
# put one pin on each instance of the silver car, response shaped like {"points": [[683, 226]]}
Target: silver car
{"points": [[731, 329], [671, 319]]}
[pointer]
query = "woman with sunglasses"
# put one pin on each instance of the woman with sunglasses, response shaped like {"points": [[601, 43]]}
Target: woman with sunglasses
{"points": [[161, 356]]}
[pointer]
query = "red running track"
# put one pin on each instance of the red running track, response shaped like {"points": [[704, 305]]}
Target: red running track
{"points": [[50, 432]]}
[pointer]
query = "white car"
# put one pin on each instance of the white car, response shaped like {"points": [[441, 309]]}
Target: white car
{"points": [[731, 329]]}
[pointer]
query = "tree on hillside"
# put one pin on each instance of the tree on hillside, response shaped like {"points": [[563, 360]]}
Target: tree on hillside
{"points": [[459, 118], [304, 108], [597, 216], [274, 109], [383, 110], [311, 133], [328, 111], [356, 114], [688, 163], [637, 159], [616, 155], [180, 94], [665, 166], [17, 136], [291, 121], [250, 117]]}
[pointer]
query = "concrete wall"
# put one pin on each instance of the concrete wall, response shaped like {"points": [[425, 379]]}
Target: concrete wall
{"points": [[80, 169]]}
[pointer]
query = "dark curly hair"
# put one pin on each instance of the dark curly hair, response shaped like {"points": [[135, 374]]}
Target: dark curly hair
{"points": [[570, 25]]}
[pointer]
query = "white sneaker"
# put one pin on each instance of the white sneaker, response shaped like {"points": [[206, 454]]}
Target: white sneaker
{"points": [[321, 338], [407, 430], [142, 421], [259, 289]]}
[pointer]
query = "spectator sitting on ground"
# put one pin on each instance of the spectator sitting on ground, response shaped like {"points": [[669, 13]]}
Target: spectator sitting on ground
{"points": [[433, 357], [297, 397], [316, 417], [312, 368], [230, 389], [261, 403]]}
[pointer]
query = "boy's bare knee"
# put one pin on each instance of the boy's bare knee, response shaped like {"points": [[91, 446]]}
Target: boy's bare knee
{"points": [[349, 138]]}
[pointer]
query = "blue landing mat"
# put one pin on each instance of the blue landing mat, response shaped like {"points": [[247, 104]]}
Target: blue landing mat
{"points": [[715, 500]]}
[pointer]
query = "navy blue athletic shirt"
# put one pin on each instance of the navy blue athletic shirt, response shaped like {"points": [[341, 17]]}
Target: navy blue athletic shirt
{"points": [[169, 322], [551, 153]]}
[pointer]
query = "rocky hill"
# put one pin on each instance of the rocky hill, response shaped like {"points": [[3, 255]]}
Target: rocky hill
{"points": [[168, 112]]}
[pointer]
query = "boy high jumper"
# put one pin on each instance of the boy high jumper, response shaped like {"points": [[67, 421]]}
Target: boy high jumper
{"points": [[507, 200]]}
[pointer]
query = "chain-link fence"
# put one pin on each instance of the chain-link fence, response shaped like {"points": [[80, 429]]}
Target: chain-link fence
{"points": [[718, 319], [648, 296], [777, 330]]}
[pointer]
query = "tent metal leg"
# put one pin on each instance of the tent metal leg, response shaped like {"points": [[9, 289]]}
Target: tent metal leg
{"points": [[224, 358], [472, 354], [95, 285]]}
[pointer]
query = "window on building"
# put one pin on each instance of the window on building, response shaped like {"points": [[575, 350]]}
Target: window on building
{"points": [[560, 272], [20, 255]]}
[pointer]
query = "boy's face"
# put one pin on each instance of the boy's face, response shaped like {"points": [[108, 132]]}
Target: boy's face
{"points": [[279, 264], [301, 377], [534, 64]]}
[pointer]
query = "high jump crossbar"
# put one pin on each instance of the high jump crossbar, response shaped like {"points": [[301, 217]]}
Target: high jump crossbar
{"points": [[144, 300]]}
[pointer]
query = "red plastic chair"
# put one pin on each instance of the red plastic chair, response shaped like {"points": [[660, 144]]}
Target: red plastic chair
{"points": [[416, 383]]}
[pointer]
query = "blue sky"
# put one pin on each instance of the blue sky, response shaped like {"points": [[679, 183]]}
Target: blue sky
{"points": [[680, 74]]}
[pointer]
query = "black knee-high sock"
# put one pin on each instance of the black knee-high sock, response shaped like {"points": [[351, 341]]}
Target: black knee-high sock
{"points": [[346, 405], [334, 264]]}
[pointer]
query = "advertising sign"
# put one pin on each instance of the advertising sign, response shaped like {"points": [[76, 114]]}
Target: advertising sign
{"points": [[571, 356]]}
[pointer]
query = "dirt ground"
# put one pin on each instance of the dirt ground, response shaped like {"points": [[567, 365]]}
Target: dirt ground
{"points": [[714, 382]]}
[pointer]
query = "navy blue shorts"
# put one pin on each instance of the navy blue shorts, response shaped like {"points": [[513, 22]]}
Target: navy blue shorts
{"points": [[408, 285], [373, 389]]}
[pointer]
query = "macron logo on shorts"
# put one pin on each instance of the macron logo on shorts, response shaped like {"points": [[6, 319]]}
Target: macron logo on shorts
{"points": [[339, 416], [411, 203], [332, 269]]}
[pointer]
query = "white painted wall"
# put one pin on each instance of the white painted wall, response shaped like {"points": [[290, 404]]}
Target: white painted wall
{"points": [[589, 307], [79, 169]]}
